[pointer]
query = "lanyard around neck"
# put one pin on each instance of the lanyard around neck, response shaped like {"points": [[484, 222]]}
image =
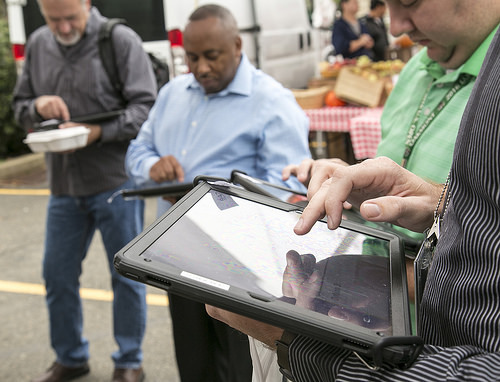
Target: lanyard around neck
{"points": [[413, 133]]}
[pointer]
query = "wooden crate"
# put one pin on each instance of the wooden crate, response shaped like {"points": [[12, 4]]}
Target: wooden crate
{"points": [[359, 90], [320, 82]]}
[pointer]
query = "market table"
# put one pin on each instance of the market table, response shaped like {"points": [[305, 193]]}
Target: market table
{"points": [[362, 124]]}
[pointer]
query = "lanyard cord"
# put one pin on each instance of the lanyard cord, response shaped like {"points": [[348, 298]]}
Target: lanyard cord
{"points": [[443, 198], [413, 133]]}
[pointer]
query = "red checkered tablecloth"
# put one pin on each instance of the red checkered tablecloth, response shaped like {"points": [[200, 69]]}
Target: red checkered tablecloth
{"points": [[362, 123]]}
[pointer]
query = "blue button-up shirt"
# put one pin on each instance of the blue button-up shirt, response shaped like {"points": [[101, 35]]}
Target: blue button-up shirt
{"points": [[254, 125]]}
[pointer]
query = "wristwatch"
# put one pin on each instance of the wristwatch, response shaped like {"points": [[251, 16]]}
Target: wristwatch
{"points": [[282, 346]]}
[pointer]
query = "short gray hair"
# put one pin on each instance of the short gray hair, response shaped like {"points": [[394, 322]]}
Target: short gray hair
{"points": [[40, 1], [213, 10]]}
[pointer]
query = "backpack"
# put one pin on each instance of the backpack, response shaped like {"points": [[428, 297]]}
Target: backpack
{"points": [[107, 54]]}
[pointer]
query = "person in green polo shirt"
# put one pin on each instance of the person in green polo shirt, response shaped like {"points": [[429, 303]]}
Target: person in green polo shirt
{"points": [[421, 116], [422, 86]]}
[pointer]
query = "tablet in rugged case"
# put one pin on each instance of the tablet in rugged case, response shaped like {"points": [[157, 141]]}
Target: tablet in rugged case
{"points": [[229, 247], [51, 124], [171, 190], [177, 191]]}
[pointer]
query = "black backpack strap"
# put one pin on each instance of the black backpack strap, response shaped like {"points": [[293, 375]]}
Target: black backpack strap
{"points": [[107, 52]]}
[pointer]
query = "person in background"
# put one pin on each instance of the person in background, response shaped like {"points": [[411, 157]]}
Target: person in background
{"points": [[63, 77], [224, 115], [461, 339], [350, 38], [375, 25]]}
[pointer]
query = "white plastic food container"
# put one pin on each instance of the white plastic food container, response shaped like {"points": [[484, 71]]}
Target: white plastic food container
{"points": [[58, 139]]}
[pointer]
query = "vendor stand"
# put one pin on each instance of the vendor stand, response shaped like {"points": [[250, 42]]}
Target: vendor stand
{"points": [[362, 86]]}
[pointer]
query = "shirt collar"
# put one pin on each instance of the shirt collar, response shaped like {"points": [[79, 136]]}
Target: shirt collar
{"points": [[471, 66], [241, 83]]}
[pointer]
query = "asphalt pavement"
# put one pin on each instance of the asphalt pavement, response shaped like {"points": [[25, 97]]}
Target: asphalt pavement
{"points": [[25, 350]]}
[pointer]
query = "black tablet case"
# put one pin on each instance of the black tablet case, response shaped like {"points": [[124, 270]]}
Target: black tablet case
{"points": [[182, 271]]}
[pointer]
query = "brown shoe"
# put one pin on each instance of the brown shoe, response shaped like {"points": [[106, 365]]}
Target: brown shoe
{"points": [[60, 373], [128, 375]]}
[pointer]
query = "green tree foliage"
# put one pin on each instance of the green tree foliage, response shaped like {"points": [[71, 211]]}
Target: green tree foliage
{"points": [[11, 135]]}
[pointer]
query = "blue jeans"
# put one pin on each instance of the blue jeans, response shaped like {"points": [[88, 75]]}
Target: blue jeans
{"points": [[71, 223]]}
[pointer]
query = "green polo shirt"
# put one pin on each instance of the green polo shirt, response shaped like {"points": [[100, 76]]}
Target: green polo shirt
{"points": [[433, 152]]}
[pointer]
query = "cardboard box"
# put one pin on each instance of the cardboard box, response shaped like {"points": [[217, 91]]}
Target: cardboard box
{"points": [[357, 89]]}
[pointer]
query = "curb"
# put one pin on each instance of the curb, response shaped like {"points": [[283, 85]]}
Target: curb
{"points": [[22, 165]]}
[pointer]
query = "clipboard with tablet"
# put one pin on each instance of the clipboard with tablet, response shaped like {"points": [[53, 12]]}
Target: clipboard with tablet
{"points": [[227, 246]]}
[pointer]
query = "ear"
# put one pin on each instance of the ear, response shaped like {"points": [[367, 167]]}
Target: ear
{"points": [[238, 44]]}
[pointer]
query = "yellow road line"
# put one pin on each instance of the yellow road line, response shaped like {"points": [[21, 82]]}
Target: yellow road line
{"points": [[24, 192], [85, 293]]}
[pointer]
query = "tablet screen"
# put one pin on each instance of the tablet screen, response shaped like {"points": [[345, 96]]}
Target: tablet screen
{"points": [[297, 197], [229, 241]]}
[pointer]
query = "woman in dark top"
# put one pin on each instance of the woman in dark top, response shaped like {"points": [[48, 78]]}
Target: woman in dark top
{"points": [[349, 37]]}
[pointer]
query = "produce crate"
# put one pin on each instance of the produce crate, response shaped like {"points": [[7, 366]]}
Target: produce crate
{"points": [[311, 98], [319, 82], [358, 89]]}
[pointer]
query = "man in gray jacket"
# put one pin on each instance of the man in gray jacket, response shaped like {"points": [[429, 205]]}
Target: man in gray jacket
{"points": [[63, 78]]}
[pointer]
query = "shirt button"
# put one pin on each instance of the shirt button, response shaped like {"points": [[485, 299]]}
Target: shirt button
{"points": [[427, 111], [194, 123], [439, 86], [184, 152]]}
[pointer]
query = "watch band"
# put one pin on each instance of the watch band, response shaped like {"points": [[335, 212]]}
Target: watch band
{"points": [[282, 346]]}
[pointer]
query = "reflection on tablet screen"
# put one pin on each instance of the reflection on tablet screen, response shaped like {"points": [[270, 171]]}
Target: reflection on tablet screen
{"points": [[252, 246]]}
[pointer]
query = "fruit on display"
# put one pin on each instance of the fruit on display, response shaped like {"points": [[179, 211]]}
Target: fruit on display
{"points": [[362, 66], [332, 100], [360, 81], [332, 69], [374, 71], [329, 70], [390, 66], [363, 62]]}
